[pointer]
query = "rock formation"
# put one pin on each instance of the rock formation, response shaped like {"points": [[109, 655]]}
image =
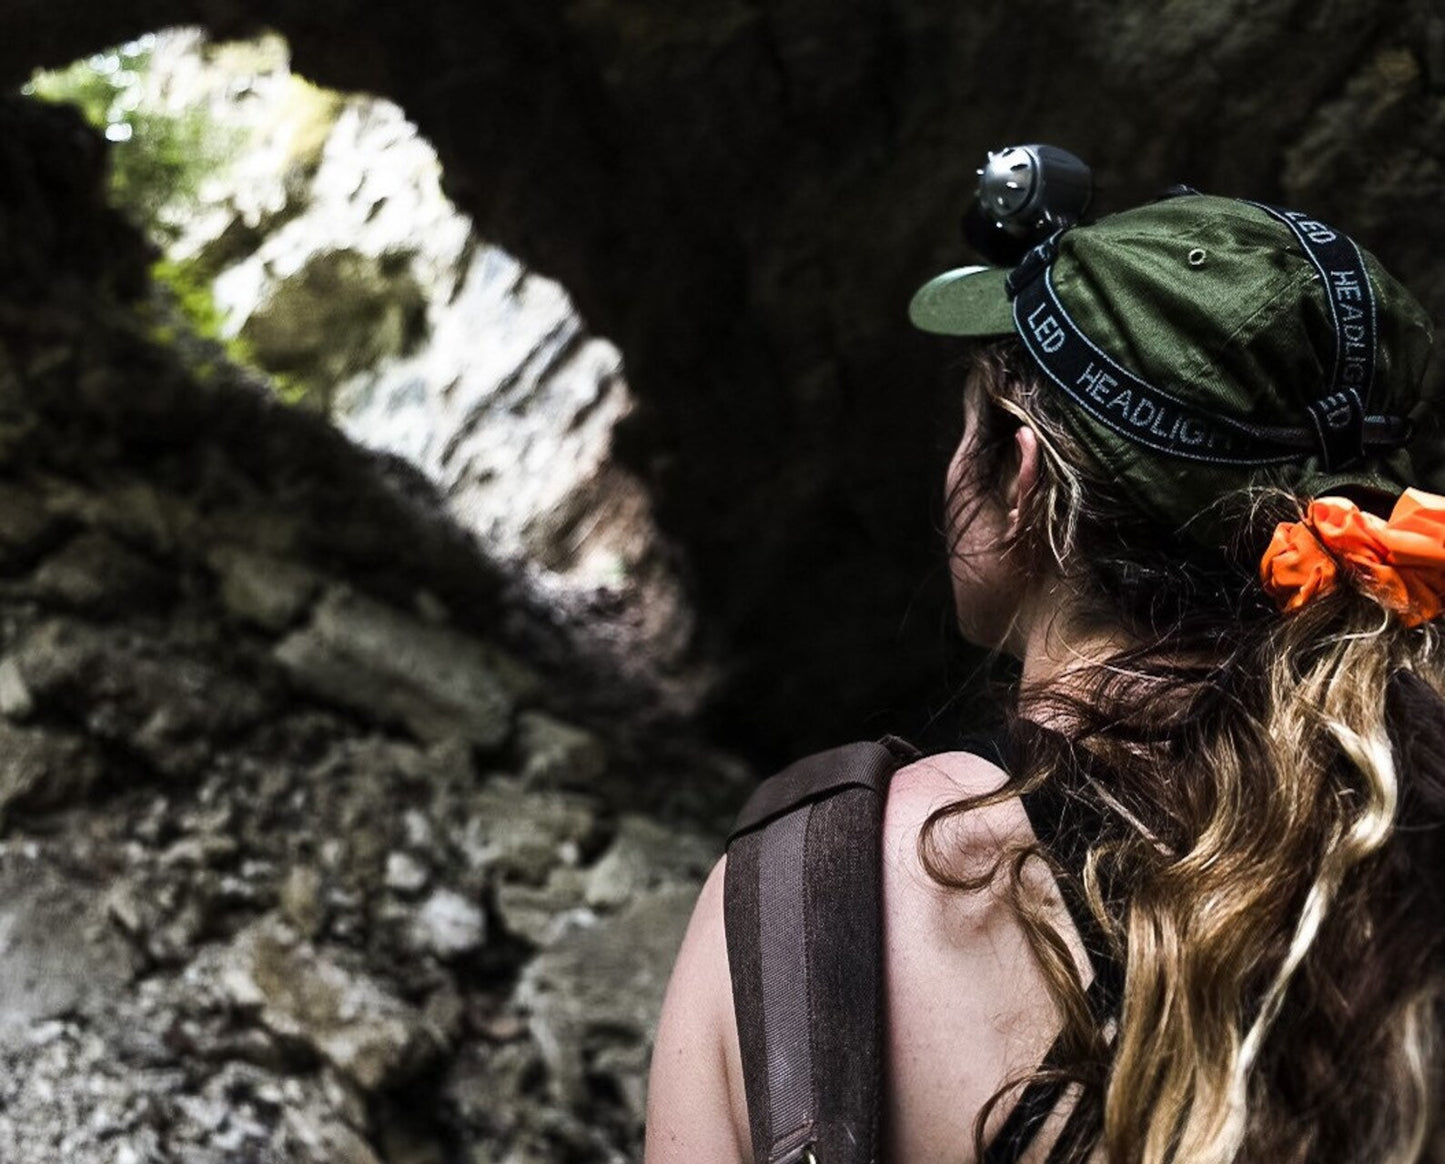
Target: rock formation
{"points": [[741, 196], [299, 859], [318, 229]]}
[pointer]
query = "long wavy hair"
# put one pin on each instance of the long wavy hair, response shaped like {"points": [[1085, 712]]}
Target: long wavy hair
{"points": [[1270, 867]]}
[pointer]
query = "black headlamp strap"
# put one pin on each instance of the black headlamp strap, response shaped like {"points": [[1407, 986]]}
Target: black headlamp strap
{"points": [[1120, 400], [1350, 295], [1339, 416], [1340, 428]]}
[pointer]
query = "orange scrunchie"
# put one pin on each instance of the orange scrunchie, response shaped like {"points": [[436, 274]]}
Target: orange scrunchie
{"points": [[1401, 561]]}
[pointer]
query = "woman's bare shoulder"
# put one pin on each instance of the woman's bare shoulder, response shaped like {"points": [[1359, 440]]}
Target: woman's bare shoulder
{"points": [[936, 782], [951, 773], [966, 1007], [696, 1108]]}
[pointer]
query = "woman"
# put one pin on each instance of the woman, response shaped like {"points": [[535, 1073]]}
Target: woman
{"points": [[1203, 899]]}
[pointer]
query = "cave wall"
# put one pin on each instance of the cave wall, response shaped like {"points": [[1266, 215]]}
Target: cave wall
{"points": [[310, 850], [743, 193]]}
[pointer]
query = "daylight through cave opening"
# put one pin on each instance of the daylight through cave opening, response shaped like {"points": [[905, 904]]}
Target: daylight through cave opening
{"points": [[307, 232]]}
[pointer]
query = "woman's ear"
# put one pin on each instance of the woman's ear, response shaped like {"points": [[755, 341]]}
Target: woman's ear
{"points": [[1025, 476]]}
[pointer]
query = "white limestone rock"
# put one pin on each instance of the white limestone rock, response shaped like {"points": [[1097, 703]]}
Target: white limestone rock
{"points": [[301, 992], [449, 925], [363, 654]]}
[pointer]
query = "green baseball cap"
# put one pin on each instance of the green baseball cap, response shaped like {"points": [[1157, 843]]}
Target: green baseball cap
{"points": [[1204, 345]]}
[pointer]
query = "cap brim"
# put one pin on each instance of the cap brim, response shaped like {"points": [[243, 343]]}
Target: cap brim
{"points": [[970, 301]]}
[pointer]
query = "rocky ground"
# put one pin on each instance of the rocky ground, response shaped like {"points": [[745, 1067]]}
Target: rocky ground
{"points": [[316, 841]]}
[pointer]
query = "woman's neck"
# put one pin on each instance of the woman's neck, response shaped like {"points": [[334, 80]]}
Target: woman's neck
{"points": [[1057, 645]]}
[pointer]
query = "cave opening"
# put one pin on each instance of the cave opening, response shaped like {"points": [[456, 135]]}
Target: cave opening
{"points": [[307, 233]]}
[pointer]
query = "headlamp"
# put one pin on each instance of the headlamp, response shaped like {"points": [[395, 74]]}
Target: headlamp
{"points": [[1025, 193]]}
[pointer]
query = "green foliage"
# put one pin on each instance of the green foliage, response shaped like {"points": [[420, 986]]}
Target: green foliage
{"points": [[185, 308], [161, 155], [158, 159], [192, 296], [187, 288]]}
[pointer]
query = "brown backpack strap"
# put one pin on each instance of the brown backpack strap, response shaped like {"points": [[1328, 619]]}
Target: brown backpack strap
{"points": [[803, 914]]}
